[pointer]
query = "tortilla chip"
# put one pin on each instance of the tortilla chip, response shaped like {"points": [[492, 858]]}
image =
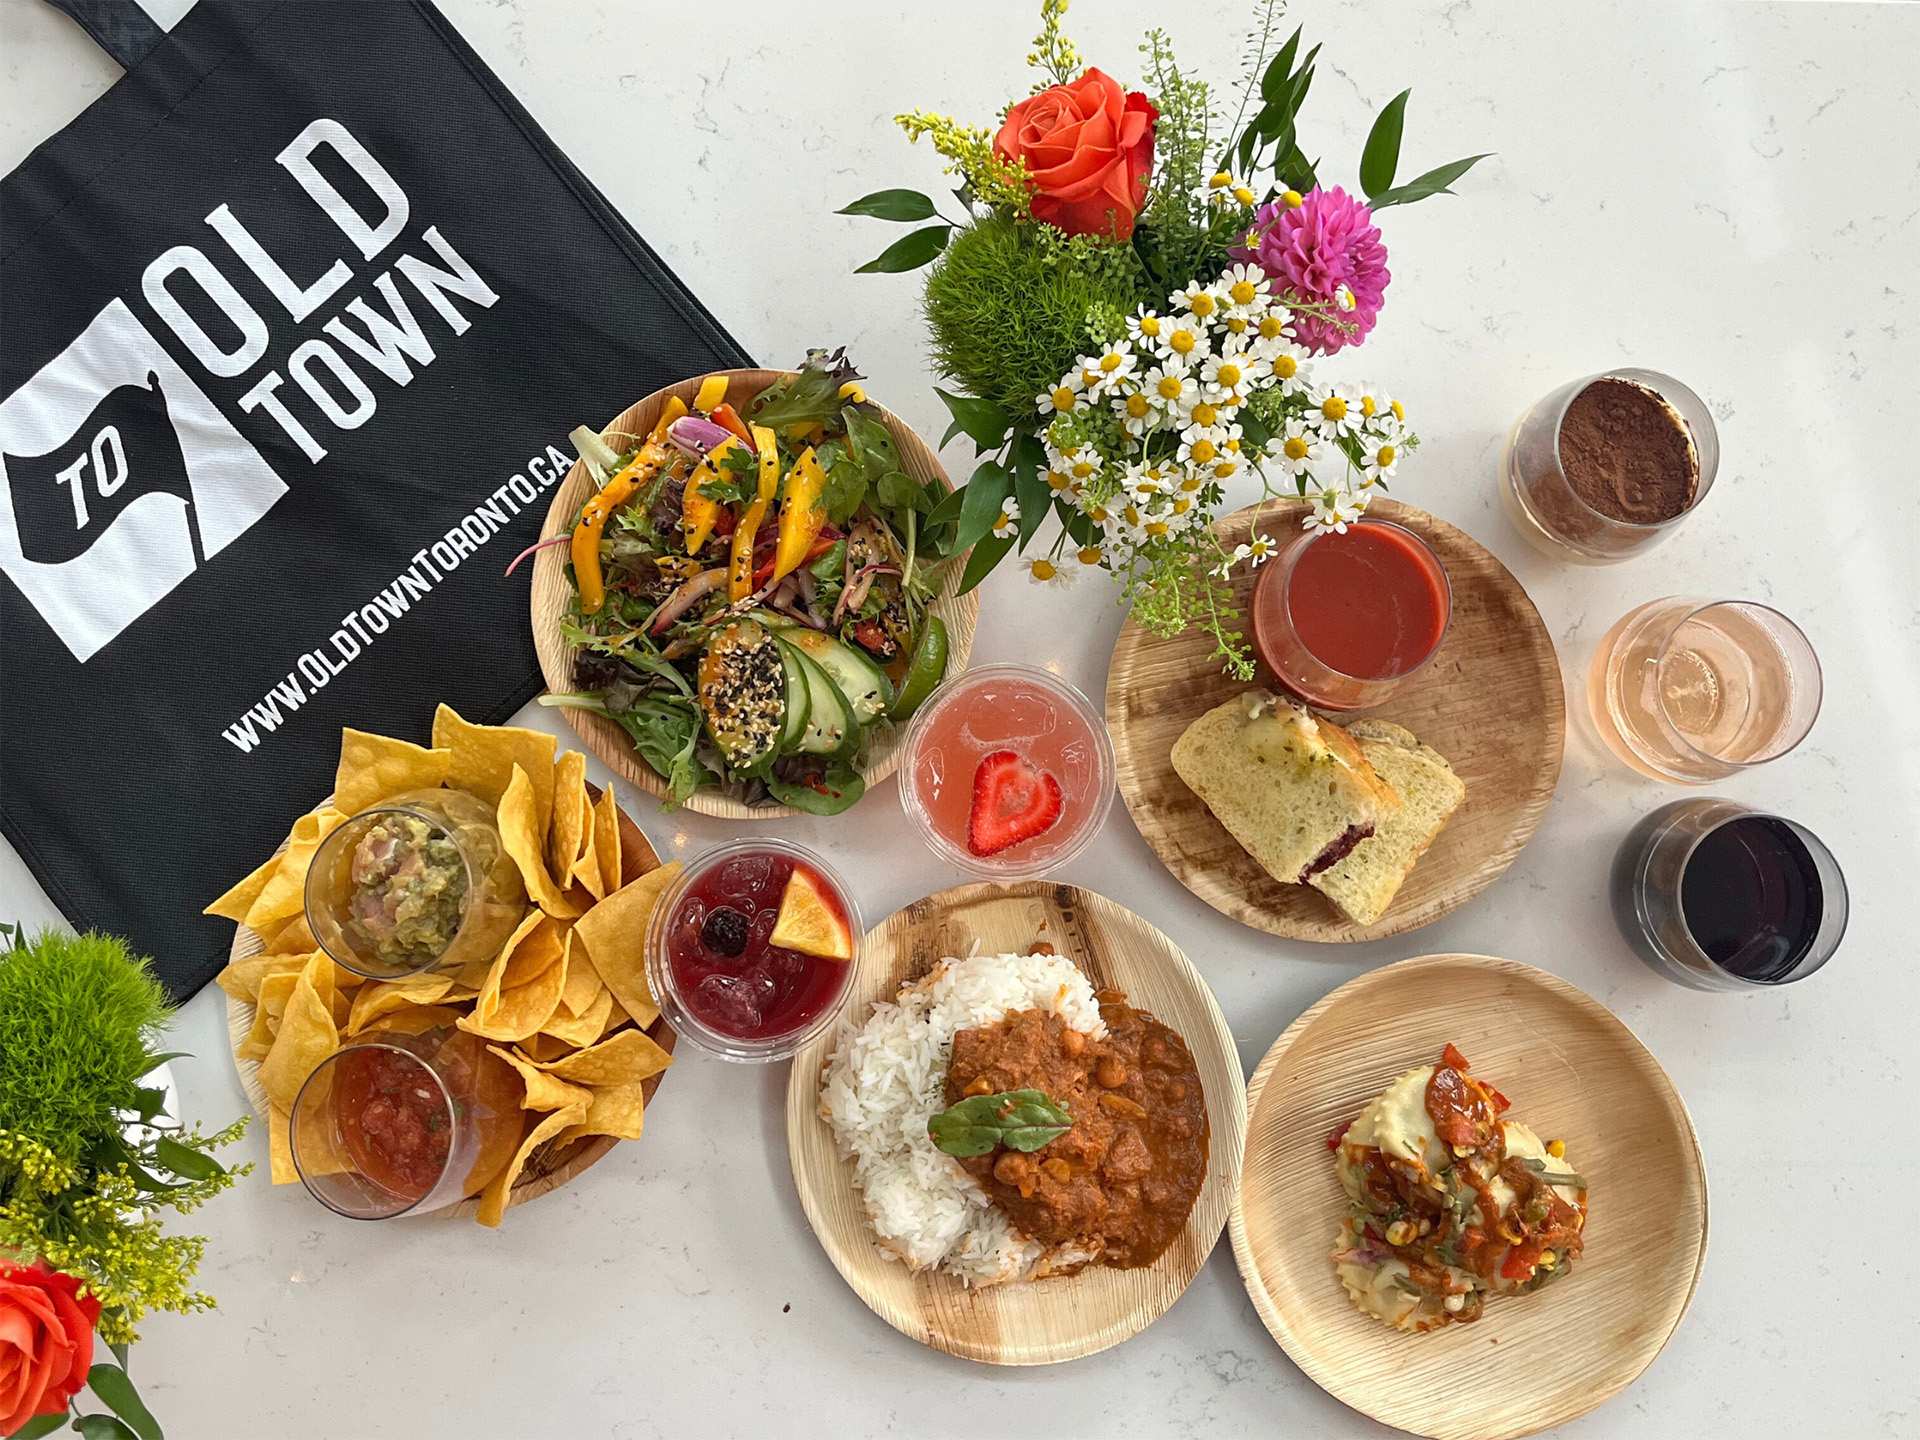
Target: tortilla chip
{"points": [[523, 989], [242, 978], [235, 904], [585, 874], [414, 1020], [617, 1110], [284, 894], [382, 998], [620, 1059], [373, 767], [280, 1148], [493, 1200], [615, 932], [543, 1092], [295, 937], [484, 756], [546, 1047], [616, 1017], [583, 989], [523, 834], [606, 841], [268, 1007], [580, 1031], [570, 822], [307, 1036]]}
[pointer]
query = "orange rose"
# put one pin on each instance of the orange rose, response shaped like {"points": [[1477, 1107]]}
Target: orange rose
{"points": [[1088, 147], [46, 1342]]}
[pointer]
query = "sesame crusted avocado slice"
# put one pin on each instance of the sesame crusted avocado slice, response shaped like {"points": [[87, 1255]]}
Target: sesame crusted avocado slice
{"points": [[743, 691]]}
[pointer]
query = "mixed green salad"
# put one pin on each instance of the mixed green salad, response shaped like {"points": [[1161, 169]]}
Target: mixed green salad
{"points": [[751, 588]]}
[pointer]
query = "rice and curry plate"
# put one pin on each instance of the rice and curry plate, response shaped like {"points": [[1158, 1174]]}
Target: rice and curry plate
{"points": [[1006, 1122]]}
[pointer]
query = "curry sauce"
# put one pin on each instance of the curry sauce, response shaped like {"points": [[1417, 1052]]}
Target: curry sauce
{"points": [[1122, 1180]]}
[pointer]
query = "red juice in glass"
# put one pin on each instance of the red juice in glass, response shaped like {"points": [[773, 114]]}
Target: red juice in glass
{"points": [[1342, 619], [716, 960], [1003, 740]]}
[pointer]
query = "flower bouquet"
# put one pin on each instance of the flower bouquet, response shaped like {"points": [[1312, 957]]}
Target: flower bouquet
{"points": [[1132, 309], [88, 1157]]}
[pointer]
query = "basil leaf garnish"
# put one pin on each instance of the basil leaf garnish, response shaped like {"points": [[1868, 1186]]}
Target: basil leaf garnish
{"points": [[1017, 1119]]}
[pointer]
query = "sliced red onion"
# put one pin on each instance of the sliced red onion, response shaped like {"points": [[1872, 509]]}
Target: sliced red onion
{"points": [[696, 436], [686, 597], [562, 539]]}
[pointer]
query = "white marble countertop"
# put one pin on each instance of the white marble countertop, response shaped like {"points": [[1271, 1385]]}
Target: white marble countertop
{"points": [[1727, 192]]}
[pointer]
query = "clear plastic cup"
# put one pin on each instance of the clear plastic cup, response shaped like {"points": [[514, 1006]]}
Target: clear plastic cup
{"points": [[718, 1001], [1042, 719]]}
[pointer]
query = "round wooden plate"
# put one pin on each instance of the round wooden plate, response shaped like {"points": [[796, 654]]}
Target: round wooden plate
{"points": [[1491, 701], [552, 594], [1573, 1071], [547, 1168], [1062, 1317]]}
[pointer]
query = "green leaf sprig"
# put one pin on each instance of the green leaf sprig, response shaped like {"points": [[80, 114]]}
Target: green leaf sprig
{"points": [[1018, 1119]]}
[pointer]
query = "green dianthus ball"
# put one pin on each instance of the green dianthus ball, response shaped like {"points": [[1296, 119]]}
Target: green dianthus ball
{"points": [[1012, 306], [80, 1018]]}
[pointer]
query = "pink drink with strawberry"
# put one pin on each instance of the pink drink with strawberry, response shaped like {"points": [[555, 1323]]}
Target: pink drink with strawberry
{"points": [[1008, 771]]}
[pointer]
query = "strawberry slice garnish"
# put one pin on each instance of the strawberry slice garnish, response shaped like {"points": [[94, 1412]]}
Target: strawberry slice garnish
{"points": [[1013, 800]]}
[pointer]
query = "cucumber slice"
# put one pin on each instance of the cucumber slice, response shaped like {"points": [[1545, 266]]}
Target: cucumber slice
{"points": [[831, 726], [864, 683], [799, 699]]}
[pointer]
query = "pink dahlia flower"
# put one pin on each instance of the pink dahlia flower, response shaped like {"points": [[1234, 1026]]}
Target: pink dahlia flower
{"points": [[1330, 240]]}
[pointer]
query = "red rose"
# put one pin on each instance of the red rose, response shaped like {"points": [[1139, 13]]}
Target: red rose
{"points": [[46, 1342], [1088, 147]]}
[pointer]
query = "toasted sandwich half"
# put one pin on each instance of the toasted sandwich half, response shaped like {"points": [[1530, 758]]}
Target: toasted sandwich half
{"points": [[1364, 882], [1293, 789]]}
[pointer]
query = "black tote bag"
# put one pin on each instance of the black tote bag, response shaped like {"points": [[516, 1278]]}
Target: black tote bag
{"points": [[293, 323]]}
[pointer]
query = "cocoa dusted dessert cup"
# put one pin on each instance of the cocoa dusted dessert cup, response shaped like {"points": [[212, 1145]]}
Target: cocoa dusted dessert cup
{"points": [[1607, 466]]}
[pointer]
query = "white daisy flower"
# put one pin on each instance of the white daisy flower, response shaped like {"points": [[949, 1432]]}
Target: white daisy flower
{"points": [[1298, 448], [1146, 482], [1275, 324], [1108, 371], [1378, 456], [1333, 509], [1198, 300], [1144, 328], [1343, 298], [1171, 386], [1043, 571], [1137, 410], [1232, 558], [1244, 288], [1206, 416], [1064, 398], [1228, 374], [1336, 409], [1259, 550], [1100, 512], [1227, 466], [1204, 447], [1091, 555], [1287, 366], [1183, 339], [1007, 523]]}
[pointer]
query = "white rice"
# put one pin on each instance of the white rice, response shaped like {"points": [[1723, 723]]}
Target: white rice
{"points": [[885, 1081]]}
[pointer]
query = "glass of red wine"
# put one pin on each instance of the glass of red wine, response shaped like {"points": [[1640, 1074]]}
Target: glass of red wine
{"points": [[1718, 896]]}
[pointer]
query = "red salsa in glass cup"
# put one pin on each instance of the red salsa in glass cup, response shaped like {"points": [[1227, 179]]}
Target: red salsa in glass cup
{"points": [[750, 950], [1342, 620], [399, 1123]]}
